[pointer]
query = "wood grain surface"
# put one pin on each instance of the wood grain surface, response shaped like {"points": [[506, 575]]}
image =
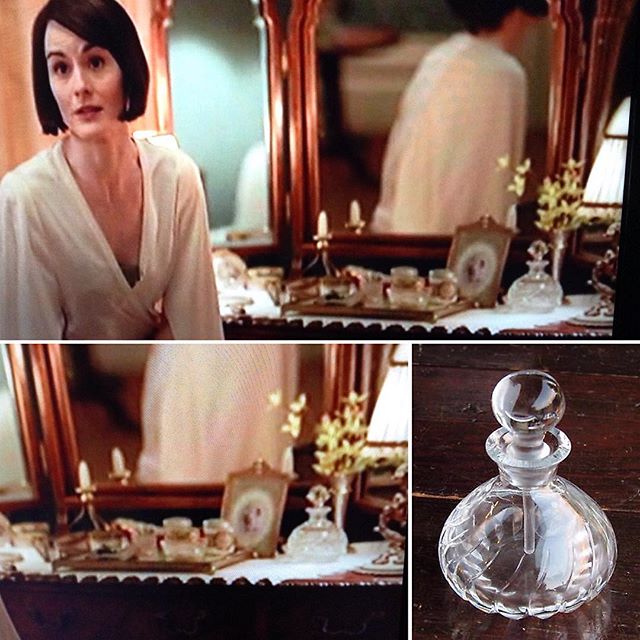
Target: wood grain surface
{"points": [[452, 418]]}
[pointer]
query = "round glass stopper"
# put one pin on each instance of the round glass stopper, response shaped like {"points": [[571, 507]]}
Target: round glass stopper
{"points": [[528, 401]]}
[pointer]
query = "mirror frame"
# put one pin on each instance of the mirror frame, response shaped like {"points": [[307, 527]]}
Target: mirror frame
{"points": [[18, 357], [581, 84], [273, 60], [342, 364]]}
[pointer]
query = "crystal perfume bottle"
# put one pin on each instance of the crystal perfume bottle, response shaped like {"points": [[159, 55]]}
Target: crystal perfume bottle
{"points": [[535, 291], [527, 542], [318, 539]]}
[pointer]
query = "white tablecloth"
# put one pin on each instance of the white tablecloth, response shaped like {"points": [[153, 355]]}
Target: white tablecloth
{"points": [[275, 570], [495, 320]]}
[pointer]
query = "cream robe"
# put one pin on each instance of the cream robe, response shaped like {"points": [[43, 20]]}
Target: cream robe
{"points": [[59, 278], [464, 108], [205, 409], [7, 630]]}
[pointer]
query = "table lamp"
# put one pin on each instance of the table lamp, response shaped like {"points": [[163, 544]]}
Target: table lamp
{"points": [[387, 444], [602, 202]]}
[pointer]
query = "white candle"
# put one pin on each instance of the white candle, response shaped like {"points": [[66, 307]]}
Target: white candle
{"points": [[354, 213], [117, 462], [323, 224], [83, 475]]}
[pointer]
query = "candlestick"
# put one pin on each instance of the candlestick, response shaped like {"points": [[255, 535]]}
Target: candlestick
{"points": [[323, 224], [354, 213], [117, 462], [84, 476]]}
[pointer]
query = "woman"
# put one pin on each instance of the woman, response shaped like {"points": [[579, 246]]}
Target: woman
{"points": [[101, 237], [465, 107]]}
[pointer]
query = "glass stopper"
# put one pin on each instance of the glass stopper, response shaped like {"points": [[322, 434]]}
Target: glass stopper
{"points": [[538, 249], [318, 495], [528, 403]]}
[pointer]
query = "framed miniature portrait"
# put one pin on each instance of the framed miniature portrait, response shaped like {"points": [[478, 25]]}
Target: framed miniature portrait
{"points": [[253, 503], [477, 256]]}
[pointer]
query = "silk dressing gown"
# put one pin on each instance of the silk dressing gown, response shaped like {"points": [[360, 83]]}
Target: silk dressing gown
{"points": [[205, 409], [463, 109], [59, 278]]}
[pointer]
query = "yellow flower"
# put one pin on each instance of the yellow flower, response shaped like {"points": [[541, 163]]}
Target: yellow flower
{"points": [[275, 398]]}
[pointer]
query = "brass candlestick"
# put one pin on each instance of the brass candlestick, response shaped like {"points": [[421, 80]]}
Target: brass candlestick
{"points": [[355, 227], [321, 259]]}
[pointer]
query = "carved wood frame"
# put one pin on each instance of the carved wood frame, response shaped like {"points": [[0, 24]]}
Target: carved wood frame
{"points": [[18, 357]]}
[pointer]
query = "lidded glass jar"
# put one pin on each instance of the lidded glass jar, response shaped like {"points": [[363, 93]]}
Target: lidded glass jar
{"points": [[318, 539], [407, 289], [181, 540], [527, 542], [535, 291]]}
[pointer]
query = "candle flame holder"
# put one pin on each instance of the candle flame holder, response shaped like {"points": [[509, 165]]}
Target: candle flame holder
{"points": [[355, 227], [120, 476]]}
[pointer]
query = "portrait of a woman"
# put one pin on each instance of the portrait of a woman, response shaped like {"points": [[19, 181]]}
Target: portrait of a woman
{"points": [[102, 237]]}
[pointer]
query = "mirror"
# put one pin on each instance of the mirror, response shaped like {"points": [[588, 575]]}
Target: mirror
{"points": [[188, 414], [369, 54], [224, 110], [19, 464], [580, 49], [184, 415]]}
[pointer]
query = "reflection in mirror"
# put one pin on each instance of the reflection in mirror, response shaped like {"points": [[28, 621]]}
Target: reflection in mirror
{"points": [[14, 482], [392, 113], [217, 57], [191, 413]]}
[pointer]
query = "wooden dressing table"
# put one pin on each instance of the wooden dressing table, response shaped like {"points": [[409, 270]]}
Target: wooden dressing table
{"points": [[84, 606]]}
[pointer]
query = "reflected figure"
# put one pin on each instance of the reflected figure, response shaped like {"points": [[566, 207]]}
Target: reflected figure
{"points": [[252, 192], [12, 466], [102, 237], [205, 410], [465, 107]]}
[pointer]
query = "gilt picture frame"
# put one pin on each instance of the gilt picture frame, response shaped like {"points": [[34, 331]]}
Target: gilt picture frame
{"points": [[253, 503], [478, 256]]}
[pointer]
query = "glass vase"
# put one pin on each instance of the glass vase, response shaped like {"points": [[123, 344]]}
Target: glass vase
{"points": [[559, 242], [340, 490]]}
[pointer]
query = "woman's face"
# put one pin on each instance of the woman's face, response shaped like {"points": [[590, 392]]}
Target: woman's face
{"points": [[86, 82]]}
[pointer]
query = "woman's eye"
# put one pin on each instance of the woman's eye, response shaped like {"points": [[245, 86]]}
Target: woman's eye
{"points": [[60, 68], [96, 62]]}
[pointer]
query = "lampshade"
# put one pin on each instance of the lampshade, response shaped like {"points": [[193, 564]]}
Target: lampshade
{"points": [[604, 189], [391, 419]]}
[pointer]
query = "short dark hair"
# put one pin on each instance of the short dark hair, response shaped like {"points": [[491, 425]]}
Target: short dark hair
{"points": [[488, 15], [103, 23]]}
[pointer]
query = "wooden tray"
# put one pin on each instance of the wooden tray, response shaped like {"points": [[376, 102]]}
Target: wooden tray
{"points": [[91, 562], [320, 307]]}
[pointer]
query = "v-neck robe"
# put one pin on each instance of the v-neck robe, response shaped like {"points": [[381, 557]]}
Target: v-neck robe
{"points": [[59, 278], [463, 109]]}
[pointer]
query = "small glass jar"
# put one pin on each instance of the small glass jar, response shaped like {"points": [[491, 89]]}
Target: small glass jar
{"points": [[181, 540], [407, 289], [145, 539], [219, 538], [444, 285]]}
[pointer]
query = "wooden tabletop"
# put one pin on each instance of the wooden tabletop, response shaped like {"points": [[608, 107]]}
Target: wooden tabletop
{"points": [[452, 387]]}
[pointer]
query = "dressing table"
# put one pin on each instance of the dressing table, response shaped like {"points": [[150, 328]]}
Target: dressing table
{"points": [[254, 599]]}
